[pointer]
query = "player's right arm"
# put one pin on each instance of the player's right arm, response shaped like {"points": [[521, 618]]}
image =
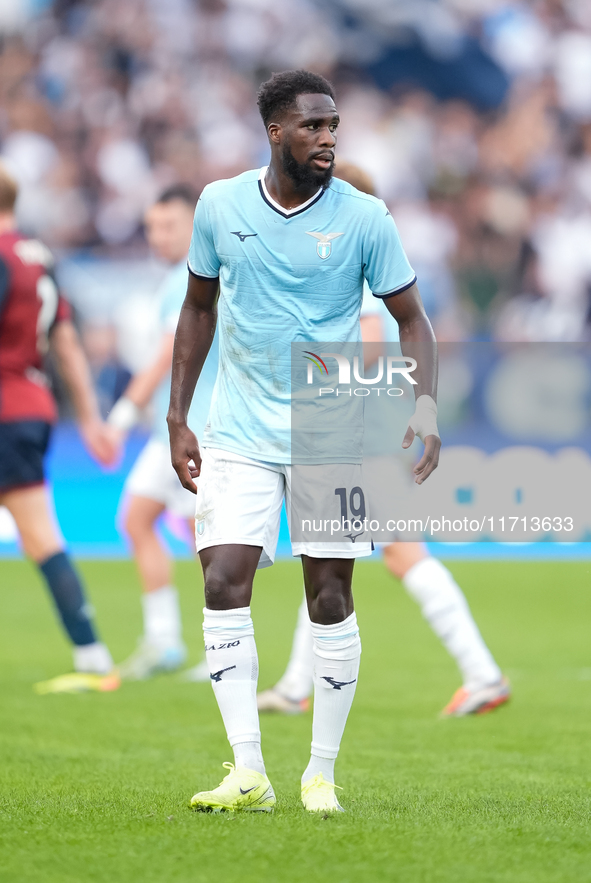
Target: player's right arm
{"points": [[192, 342]]}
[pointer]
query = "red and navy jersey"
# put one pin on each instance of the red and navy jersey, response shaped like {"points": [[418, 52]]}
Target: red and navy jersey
{"points": [[30, 306]]}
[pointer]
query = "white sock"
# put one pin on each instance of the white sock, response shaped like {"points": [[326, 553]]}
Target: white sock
{"points": [[231, 654], [297, 683], [162, 617], [446, 610], [249, 756], [92, 659], [337, 649]]}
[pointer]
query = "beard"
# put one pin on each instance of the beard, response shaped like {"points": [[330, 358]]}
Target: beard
{"points": [[303, 176]]}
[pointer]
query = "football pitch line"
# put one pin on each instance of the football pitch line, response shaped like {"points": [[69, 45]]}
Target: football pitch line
{"points": [[95, 787]]}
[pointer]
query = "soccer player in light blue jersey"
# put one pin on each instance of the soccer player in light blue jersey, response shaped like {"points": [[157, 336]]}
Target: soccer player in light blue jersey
{"points": [[289, 249], [152, 487]]}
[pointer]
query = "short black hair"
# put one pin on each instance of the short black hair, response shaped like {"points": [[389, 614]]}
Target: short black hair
{"points": [[280, 93], [184, 192]]}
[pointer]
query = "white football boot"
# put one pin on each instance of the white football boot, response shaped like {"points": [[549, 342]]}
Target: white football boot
{"points": [[150, 659]]}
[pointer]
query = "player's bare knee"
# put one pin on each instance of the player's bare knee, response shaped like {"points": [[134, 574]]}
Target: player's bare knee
{"points": [[333, 603], [130, 526], [39, 548], [228, 575], [400, 557], [395, 562], [225, 590], [221, 595], [137, 527]]}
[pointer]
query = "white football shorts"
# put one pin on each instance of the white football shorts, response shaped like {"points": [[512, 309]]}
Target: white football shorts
{"points": [[240, 500], [153, 476]]}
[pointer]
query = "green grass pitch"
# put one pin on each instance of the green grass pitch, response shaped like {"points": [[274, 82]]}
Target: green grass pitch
{"points": [[96, 787]]}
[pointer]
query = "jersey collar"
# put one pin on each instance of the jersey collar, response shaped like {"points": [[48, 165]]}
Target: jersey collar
{"points": [[284, 212]]}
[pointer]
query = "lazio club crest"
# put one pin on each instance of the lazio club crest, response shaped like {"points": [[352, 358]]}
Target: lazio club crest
{"points": [[324, 244], [200, 521]]}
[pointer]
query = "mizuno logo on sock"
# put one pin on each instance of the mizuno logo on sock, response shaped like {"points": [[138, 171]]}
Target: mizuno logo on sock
{"points": [[336, 685], [217, 675]]}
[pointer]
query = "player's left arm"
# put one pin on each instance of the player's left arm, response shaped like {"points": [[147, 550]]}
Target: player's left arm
{"points": [[73, 367], [417, 341]]}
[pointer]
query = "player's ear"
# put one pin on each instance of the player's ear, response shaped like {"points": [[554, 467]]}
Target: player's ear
{"points": [[274, 132]]}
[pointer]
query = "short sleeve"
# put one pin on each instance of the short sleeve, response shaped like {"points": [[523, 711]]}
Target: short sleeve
{"points": [[385, 265], [369, 305], [203, 259]]}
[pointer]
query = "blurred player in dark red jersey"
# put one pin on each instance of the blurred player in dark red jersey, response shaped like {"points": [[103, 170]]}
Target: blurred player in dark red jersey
{"points": [[34, 318]]}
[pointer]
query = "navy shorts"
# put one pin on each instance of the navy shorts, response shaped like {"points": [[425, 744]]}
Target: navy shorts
{"points": [[23, 445]]}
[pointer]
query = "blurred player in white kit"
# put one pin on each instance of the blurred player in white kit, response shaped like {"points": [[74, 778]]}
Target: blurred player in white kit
{"points": [[425, 578], [152, 486]]}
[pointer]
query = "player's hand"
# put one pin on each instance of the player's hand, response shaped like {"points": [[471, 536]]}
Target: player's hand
{"points": [[102, 441], [430, 459], [185, 455]]}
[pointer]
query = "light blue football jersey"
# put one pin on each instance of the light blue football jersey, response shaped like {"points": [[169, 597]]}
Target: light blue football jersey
{"points": [[172, 294], [285, 276]]}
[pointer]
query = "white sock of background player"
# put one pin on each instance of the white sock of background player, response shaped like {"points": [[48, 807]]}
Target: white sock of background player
{"points": [[231, 654], [337, 649], [297, 682], [162, 617], [446, 610]]}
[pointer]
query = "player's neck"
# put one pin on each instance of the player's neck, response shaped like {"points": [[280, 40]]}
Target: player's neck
{"points": [[283, 190], [7, 222]]}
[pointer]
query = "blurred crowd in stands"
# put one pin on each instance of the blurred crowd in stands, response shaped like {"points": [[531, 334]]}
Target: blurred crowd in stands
{"points": [[105, 103]]}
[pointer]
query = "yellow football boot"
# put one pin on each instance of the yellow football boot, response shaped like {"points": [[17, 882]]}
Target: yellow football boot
{"points": [[78, 682], [318, 795], [241, 790]]}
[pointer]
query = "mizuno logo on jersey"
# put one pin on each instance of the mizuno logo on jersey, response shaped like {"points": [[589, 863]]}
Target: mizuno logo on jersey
{"points": [[242, 236], [324, 244]]}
